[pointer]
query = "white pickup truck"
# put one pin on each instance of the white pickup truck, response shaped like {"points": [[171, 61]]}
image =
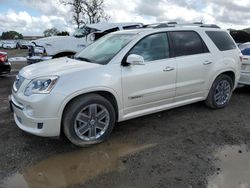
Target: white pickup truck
{"points": [[60, 46]]}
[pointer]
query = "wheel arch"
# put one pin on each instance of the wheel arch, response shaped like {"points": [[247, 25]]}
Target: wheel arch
{"points": [[231, 73], [110, 96]]}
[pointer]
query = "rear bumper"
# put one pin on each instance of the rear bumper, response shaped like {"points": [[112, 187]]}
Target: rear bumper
{"points": [[36, 59], [245, 78]]}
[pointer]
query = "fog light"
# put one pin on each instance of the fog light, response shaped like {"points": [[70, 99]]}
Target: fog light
{"points": [[29, 111]]}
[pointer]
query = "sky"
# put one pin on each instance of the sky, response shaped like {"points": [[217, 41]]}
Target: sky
{"points": [[32, 17]]}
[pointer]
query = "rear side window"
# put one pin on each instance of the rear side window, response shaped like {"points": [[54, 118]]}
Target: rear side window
{"points": [[187, 43], [222, 40]]}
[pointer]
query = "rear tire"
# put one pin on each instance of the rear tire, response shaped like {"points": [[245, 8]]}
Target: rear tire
{"points": [[88, 120], [220, 92]]}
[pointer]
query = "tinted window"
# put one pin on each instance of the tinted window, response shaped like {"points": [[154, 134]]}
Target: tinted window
{"points": [[153, 47], [246, 51], [187, 43], [222, 40]]}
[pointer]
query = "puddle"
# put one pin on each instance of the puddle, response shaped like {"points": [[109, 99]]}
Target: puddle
{"points": [[233, 168], [76, 167]]}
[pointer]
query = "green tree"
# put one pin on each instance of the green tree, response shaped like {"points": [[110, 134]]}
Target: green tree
{"points": [[63, 33], [11, 35], [50, 32]]}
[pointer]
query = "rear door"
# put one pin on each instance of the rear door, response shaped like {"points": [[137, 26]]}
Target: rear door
{"points": [[194, 64]]}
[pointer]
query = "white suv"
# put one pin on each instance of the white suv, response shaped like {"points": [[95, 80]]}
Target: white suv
{"points": [[125, 75]]}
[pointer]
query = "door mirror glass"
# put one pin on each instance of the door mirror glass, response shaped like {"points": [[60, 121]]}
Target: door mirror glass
{"points": [[134, 59]]}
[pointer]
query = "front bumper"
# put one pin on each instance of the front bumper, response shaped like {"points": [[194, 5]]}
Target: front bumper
{"points": [[36, 59], [244, 78], [40, 126]]}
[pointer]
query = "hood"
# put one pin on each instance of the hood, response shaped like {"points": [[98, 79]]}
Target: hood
{"points": [[56, 67], [53, 39]]}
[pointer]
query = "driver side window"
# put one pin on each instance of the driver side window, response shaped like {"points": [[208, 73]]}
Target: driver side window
{"points": [[153, 47]]}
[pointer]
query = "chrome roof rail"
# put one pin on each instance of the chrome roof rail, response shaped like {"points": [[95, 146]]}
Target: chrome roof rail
{"points": [[175, 24]]}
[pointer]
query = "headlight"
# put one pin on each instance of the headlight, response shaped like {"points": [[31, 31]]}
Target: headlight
{"points": [[42, 85]]}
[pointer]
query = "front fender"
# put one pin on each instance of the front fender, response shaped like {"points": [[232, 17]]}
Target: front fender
{"points": [[90, 90]]}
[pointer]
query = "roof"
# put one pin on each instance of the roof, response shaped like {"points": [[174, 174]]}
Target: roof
{"points": [[175, 24], [106, 25], [148, 30]]}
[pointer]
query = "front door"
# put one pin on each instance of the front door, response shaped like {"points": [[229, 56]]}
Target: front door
{"points": [[152, 85]]}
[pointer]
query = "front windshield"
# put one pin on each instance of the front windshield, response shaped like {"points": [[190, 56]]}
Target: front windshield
{"points": [[84, 31], [104, 49]]}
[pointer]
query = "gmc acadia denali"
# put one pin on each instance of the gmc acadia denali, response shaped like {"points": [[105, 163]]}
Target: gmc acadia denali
{"points": [[124, 75]]}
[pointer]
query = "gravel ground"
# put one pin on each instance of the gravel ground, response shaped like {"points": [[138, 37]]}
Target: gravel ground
{"points": [[174, 148]]}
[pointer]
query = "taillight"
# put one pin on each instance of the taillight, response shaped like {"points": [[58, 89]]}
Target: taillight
{"points": [[3, 58], [241, 58]]}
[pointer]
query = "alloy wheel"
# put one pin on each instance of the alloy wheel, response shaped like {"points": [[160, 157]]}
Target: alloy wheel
{"points": [[91, 122], [222, 92]]}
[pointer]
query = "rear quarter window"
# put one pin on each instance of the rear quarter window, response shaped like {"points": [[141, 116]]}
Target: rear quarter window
{"points": [[222, 40]]}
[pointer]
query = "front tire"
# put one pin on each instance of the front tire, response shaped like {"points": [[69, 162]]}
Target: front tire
{"points": [[220, 92], [88, 119]]}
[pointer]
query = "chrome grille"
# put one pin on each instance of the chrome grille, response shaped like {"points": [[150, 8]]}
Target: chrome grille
{"points": [[18, 82]]}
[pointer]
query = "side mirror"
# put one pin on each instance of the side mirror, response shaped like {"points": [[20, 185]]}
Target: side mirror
{"points": [[134, 59]]}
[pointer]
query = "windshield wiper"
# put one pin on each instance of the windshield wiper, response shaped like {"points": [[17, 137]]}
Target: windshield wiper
{"points": [[83, 59]]}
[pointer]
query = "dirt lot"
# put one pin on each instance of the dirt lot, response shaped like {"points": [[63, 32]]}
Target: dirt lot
{"points": [[175, 148]]}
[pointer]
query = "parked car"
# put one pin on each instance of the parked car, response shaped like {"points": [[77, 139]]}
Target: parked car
{"points": [[23, 44], [5, 66], [60, 46], [1, 44], [9, 44], [242, 46], [125, 75], [245, 69]]}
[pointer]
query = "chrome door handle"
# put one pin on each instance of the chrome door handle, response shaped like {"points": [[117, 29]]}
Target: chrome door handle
{"points": [[207, 63], [167, 69]]}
